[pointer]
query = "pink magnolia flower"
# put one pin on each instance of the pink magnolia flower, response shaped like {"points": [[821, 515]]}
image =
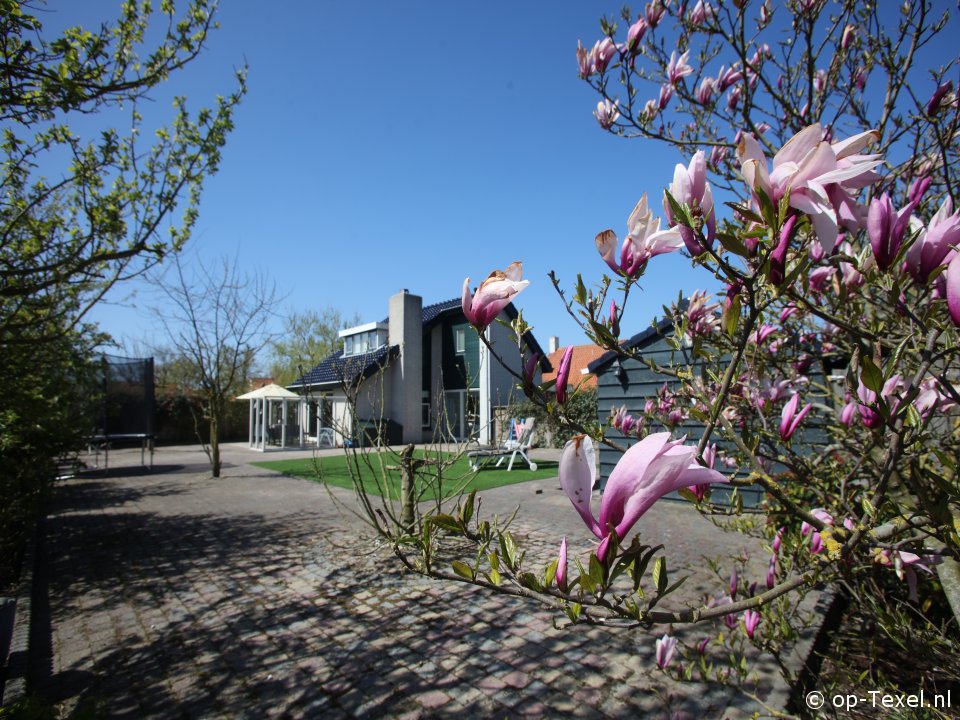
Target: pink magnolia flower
{"points": [[816, 542], [734, 583], [778, 257], [654, 12], [931, 397], [790, 419], [702, 317], [733, 98], [718, 154], [563, 376], [851, 276], [644, 240], [819, 176], [934, 244], [933, 104], [849, 412], [751, 619], [649, 470], [778, 540], [885, 228], [678, 67], [701, 12], [772, 572], [759, 335], [953, 289], [603, 52], [607, 113], [918, 189], [614, 319], [585, 61], [666, 646], [861, 79], [666, 93], [849, 34], [727, 77], [493, 295], [766, 14], [702, 645], [529, 372], [635, 34], [690, 187], [561, 575], [820, 80], [868, 398], [789, 310], [704, 94], [819, 277], [904, 564]]}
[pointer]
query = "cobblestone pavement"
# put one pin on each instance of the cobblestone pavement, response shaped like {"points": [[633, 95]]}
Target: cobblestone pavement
{"points": [[172, 594]]}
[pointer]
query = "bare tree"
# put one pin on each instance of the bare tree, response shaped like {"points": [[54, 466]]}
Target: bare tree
{"points": [[218, 319]]}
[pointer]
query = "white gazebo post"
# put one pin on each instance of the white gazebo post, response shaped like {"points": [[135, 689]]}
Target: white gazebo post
{"points": [[250, 433]]}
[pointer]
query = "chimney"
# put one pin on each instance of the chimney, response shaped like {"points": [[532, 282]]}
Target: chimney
{"points": [[554, 344], [406, 330]]}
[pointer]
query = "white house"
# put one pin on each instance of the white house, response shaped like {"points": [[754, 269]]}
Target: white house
{"points": [[421, 374]]}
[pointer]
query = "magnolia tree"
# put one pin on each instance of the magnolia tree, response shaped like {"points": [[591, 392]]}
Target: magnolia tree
{"points": [[826, 374]]}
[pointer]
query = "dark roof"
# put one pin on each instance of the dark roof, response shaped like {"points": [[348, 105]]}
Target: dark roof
{"points": [[432, 312], [335, 369], [339, 370], [654, 332]]}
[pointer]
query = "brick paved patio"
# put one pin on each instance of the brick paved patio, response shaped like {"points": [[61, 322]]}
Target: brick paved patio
{"points": [[172, 594]]}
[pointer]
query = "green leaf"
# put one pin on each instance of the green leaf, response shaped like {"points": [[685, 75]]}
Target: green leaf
{"points": [[660, 574], [597, 572], [732, 243], [745, 211], [681, 213], [467, 512], [870, 374], [447, 522], [731, 317], [463, 570], [529, 580], [580, 295], [640, 567], [913, 418], [687, 494], [550, 573], [508, 547]]}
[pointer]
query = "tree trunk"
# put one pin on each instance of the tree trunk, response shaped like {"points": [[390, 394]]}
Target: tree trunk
{"points": [[215, 444], [407, 488]]}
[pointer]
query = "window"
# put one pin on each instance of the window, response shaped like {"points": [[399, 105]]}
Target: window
{"points": [[460, 340], [348, 345], [425, 411]]}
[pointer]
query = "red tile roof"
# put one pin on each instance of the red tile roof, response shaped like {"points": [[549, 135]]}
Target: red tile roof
{"points": [[583, 355]]}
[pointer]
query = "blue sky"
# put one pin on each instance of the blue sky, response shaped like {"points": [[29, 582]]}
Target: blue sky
{"points": [[407, 145]]}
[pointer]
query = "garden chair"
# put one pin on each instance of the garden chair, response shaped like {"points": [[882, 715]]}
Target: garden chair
{"points": [[518, 443]]}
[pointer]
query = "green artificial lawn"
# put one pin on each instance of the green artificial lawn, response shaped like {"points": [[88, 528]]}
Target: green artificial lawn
{"points": [[334, 469]]}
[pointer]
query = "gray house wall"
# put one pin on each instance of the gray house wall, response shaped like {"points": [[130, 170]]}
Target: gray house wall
{"points": [[630, 383]]}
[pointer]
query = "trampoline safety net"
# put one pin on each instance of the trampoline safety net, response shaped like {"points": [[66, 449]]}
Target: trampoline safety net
{"points": [[129, 398]]}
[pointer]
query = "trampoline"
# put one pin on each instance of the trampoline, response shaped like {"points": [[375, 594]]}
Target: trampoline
{"points": [[128, 407]]}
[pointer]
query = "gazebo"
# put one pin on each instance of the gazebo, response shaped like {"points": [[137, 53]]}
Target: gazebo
{"points": [[270, 418]]}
